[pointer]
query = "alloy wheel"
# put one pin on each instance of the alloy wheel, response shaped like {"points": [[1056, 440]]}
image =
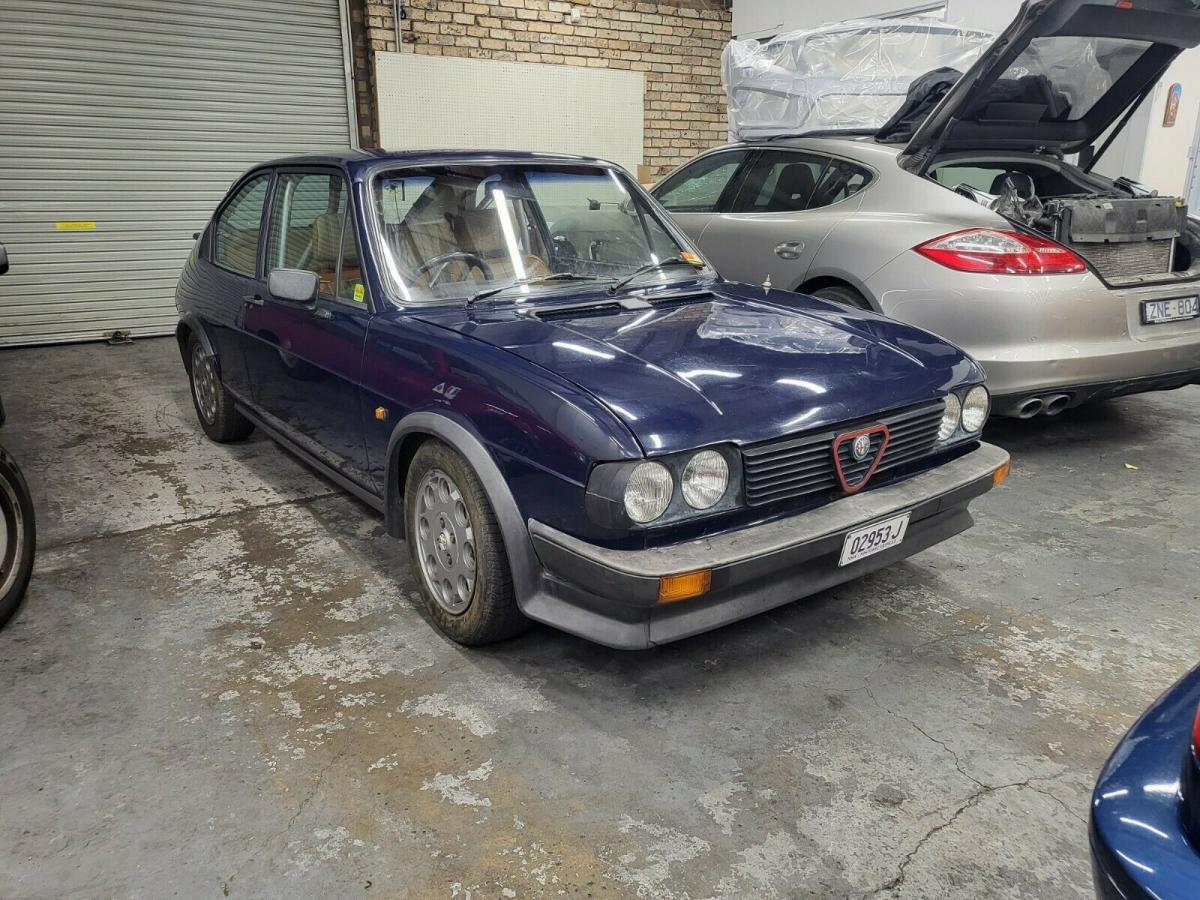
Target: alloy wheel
{"points": [[445, 537], [204, 384]]}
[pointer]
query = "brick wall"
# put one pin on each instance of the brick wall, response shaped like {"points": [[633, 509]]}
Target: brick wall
{"points": [[677, 45]]}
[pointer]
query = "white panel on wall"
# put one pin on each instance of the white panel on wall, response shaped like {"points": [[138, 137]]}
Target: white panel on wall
{"points": [[452, 103]]}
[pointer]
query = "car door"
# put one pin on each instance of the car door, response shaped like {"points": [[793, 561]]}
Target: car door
{"points": [[230, 274], [786, 204], [697, 192], [305, 359]]}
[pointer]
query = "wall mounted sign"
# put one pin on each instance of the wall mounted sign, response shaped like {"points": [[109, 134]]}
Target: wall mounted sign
{"points": [[1172, 111]]}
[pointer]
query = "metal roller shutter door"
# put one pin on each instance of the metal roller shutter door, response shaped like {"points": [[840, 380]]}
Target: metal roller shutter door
{"points": [[136, 115]]}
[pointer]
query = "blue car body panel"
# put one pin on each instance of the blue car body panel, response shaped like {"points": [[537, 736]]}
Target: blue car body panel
{"points": [[1145, 808], [724, 362]]}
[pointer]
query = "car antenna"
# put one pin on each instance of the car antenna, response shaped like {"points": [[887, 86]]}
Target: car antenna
{"points": [[767, 283]]}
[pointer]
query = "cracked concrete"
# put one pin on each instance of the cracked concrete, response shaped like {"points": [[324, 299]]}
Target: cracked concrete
{"points": [[222, 685]]}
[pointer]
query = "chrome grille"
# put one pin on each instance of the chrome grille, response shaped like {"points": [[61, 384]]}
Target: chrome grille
{"points": [[791, 467]]}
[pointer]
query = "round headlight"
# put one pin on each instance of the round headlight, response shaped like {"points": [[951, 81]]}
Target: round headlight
{"points": [[975, 409], [950, 418], [705, 478], [648, 493]]}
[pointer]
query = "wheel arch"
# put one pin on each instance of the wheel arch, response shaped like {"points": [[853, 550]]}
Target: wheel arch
{"points": [[817, 282], [408, 436], [184, 329]]}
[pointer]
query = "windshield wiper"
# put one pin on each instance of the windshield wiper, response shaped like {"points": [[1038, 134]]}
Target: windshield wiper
{"points": [[557, 276], [664, 264]]}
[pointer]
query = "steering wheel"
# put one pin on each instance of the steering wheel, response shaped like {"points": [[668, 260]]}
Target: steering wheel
{"points": [[473, 261]]}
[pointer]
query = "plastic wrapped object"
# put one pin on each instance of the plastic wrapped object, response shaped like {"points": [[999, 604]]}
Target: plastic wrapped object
{"points": [[848, 76]]}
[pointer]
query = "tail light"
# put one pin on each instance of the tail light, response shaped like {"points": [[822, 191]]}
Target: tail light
{"points": [[996, 252], [1196, 737]]}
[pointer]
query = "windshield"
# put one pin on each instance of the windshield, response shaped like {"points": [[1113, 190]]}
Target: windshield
{"points": [[453, 232]]}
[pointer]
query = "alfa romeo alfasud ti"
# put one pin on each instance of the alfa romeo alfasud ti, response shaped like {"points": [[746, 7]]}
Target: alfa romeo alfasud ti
{"points": [[528, 369]]}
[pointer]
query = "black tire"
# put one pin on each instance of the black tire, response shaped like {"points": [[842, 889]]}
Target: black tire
{"points": [[214, 404], [19, 540], [843, 294], [489, 609]]}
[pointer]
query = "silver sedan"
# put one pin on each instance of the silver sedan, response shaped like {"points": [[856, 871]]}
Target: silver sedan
{"points": [[1065, 285]]}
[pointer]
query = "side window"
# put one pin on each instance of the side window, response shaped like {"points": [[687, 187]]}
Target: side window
{"points": [[307, 214], [986, 179], [236, 244], [841, 180], [698, 187], [780, 181]]}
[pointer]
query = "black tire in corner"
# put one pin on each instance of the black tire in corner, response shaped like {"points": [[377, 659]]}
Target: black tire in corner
{"points": [[843, 294], [20, 537], [214, 404], [488, 611]]}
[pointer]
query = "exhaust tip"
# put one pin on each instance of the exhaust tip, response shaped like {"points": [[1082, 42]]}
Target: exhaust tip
{"points": [[1030, 408], [1056, 404]]}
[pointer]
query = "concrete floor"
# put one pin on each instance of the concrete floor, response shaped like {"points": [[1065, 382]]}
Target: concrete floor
{"points": [[220, 684]]}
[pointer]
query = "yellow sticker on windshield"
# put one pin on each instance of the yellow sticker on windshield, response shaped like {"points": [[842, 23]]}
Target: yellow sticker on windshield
{"points": [[359, 293], [689, 257], [75, 226]]}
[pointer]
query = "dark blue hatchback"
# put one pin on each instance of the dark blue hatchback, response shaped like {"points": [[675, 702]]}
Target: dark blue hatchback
{"points": [[1145, 825], [528, 369]]}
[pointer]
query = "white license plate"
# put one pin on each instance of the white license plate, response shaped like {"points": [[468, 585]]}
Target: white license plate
{"points": [[870, 539], [1173, 310]]}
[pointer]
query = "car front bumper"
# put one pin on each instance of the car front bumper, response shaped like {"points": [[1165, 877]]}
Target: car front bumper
{"points": [[611, 596], [1047, 335]]}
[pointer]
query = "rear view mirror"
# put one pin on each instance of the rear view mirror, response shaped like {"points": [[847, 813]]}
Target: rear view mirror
{"points": [[293, 285], [3, 260]]}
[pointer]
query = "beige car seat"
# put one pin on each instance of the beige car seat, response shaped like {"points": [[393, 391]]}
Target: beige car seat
{"points": [[479, 232]]}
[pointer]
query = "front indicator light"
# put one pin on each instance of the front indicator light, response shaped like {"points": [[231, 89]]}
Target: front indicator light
{"points": [[684, 585], [999, 475]]}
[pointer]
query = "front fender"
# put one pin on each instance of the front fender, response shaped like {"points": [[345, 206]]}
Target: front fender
{"points": [[464, 440]]}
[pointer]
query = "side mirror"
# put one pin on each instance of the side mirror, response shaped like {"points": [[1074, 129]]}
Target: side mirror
{"points": [[3, 260], [293, 285]]}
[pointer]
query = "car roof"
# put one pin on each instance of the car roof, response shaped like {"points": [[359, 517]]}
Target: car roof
{"points": [[361, 159], [856, 147]]}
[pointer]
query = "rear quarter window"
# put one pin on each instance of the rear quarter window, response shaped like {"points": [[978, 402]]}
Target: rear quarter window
{"points": [[235, 245], [842, 180]]}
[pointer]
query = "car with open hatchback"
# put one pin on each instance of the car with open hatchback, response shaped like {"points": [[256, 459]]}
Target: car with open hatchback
{"points": [[942, 178]]}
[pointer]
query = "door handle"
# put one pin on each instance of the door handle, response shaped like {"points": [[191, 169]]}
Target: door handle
{"points": [[252, 300], [789, 249], [322, 313]]}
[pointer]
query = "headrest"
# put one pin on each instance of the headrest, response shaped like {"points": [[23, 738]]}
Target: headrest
{"points": [[479, 231], [326, 240], [1021, 183], [793, 188]]}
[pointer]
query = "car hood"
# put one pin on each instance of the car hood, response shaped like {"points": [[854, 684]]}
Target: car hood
{"points": [[1058, 76], [724, 362]]}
